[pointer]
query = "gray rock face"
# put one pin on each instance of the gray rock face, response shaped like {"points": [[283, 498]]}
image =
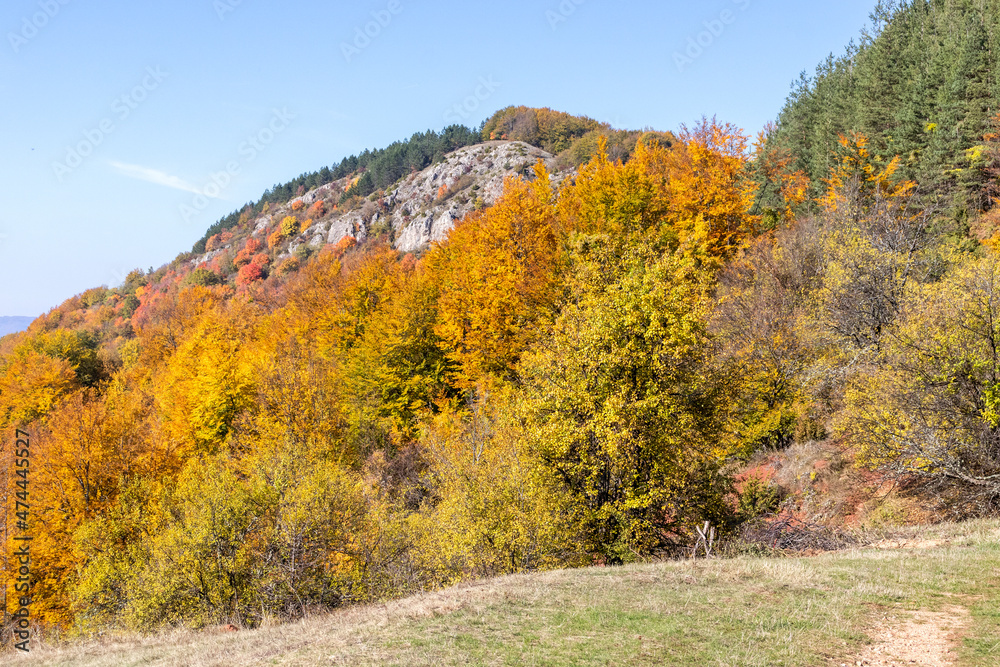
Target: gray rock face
{"points": [[445, 193], [415, 235], [313, 196], [444, 224], [262, 224], [419, 210], [349, 225]]}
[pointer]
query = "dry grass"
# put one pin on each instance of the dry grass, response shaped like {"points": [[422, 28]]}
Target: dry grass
{"points": [[743, 611]]}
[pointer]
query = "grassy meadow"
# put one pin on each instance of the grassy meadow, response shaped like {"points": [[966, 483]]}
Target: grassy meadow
{"points": [[743, 611]]}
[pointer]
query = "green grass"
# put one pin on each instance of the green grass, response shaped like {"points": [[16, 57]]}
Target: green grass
{"points": [[744, 611]]}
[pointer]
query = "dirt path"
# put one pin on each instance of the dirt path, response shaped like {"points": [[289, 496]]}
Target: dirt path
{"points": [[927, 639]]}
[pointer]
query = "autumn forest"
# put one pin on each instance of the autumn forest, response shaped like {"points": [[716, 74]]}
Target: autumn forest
{"points": [[579, 373]]}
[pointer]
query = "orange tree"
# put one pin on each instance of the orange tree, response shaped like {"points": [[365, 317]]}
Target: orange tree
{"points": [[496, 276]]}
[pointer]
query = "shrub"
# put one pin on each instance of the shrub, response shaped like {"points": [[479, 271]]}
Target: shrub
{"points": [[204, 278], [318, 210], [303, 252], [757, 498], [345, 244], [288, 266], [249, 274], [252, 247], [290, 226]]}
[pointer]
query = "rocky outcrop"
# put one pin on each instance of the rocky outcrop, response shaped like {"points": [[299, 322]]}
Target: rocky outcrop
{"points": [[420, 209], [349, 225], [443, 194], [425, 206]]}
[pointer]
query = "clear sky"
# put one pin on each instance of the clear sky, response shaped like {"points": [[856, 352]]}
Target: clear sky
{"points": [[116, 114]]}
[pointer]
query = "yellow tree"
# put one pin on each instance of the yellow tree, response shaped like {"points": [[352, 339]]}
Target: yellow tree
{"points": [[31, 385], [875, 229], [338, 307], [930, 410], [696, 193], [90, 445], [762, 302], [160, 330], [625, 409], [297, 406], [495, 514], [331, 300], [707, 193], [207, 382], [401, 364], [613, 198], [497, 275]]}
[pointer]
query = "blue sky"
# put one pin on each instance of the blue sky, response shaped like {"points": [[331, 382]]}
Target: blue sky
{"points": [[116, 116]]}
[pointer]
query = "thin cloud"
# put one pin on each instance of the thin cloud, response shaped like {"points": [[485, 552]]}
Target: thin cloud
{"points": [[154, 176]]}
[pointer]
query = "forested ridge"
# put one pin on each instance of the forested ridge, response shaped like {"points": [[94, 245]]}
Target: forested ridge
{"points": [[574, 138], [921, 83], [579, 374]]}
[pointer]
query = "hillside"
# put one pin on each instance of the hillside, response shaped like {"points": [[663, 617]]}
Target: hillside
{"points": [[920, 85], [541, 345], [419, 209], [929, 603], [316, 372]]}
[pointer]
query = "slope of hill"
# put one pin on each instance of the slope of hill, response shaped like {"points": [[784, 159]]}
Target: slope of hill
{"points": [[325, 327], [927, 600], [428, 366], [920, 85], [419, 209]]}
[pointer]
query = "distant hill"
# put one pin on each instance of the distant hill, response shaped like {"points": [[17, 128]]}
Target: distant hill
{"points": [[9, 325], [573, 140]]}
